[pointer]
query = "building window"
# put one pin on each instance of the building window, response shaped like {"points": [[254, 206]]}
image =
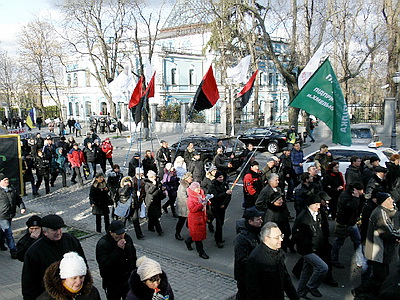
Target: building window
{"points": [[173, 76], [71, 112], [87, 77], [69, 79], [77, 108], [191, 77], [277, 79], [270, 79], [88, 109], [75, 79]]}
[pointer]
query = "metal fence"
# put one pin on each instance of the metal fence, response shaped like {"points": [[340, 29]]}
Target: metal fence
{"points": [[365, 113]]}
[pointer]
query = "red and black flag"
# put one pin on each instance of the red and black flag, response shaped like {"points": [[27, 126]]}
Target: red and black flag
{"points": [[207, 93], [148, 93], [247, 90]]}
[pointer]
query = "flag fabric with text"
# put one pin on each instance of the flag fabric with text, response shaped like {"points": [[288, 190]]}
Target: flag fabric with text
{"points": [[30, 119], [247, 90], [207, 93], [322, 97]]}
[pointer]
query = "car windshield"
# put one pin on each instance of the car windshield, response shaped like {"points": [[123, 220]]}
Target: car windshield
{"points": [[389, 152], [361, 133]]}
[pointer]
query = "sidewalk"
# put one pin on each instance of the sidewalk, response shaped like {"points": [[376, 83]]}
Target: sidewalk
{"points": [[188, 280]]}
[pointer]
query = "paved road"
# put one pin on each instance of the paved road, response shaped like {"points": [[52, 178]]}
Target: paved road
{"points": [[191, 276]]}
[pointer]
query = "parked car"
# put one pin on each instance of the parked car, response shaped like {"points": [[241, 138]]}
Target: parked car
{"points": [[274, 138], [206, 145], [364, 135], [342, 155]]}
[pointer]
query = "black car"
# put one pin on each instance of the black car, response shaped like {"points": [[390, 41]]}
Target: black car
{"points": [[274, 138], [207, 146]]}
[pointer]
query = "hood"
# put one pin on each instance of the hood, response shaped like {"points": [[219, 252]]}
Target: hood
{"points": [[125, 179], [53, 285]]}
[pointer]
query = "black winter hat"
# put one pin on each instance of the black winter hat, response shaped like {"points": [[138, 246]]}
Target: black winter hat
{"points": [[34, 221], [53, 222], [313, 199], [381, 197]]}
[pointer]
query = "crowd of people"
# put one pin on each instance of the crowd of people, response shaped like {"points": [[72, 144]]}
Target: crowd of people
{"points": [[360, 202]]}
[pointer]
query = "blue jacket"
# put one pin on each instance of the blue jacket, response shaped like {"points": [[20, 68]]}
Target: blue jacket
{"points": [[297, 158]]}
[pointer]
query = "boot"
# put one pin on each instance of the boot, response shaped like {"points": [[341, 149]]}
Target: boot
{"points": [[202, 254], [178, 237], [174, 212], [189, 245], [210, 227], [165, 209]]}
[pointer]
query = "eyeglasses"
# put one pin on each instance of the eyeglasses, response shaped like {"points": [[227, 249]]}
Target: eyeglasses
{"points": [[277, 237], [154, 278]]}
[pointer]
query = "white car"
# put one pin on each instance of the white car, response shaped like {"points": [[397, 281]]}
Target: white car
{"points": [[342, 155]]}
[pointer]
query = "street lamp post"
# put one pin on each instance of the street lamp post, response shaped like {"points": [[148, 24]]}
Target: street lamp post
{"points": [[396, 80]]}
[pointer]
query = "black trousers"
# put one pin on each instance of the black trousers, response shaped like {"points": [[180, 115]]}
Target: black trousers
{"points": [[135, 221], [372, 285], [154, 223], [199, 244], [180, 224], [106, 222], [219, 215], [39, 180], [54, 177], [115, 291]]}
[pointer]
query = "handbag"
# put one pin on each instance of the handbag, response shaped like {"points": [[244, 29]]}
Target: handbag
{"points": [[86, 170], [123, 209]]}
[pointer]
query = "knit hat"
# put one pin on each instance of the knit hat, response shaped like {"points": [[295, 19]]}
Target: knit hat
{"points": [[324, 196], [136, 154], [254, 163], [374, 158], [218, 173], [53, 222], [139, 170], [212, 168], [147, 268], [381, 197], [72, 265], [187, 175], [151, 173], [194, 185], [275, 196], [2, 176], [34, 221], [313, 199]]}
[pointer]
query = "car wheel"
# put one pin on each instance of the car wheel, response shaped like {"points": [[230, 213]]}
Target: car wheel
{"points": [[208, 164], [272, 147]]}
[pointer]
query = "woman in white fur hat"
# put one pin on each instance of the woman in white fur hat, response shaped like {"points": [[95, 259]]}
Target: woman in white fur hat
{"points": [[69, 279], [149, 281]]}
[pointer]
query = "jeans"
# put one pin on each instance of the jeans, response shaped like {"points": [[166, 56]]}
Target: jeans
{"points": [[355, 236], [313, 273], [77, 173], [5, 226]]}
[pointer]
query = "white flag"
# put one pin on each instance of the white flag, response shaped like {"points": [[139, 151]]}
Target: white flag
{"points": [[239, 73], [311, 66], [122, 86]]}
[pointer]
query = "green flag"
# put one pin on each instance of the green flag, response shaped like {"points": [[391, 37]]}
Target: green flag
{"points": [[322, 97]]}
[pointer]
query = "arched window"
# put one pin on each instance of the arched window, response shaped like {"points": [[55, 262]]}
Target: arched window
{"points": [[75, 79], [173, 76], [77, 108], [70, 109], [88, 108], [191, 77]]}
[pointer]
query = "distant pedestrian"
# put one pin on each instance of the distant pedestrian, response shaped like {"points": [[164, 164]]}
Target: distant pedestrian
{"points": [[116, 256], [252, 185], [163, 157], [180, 166], [149, 163], [154, 196], [189, 153], [171, 183], [181, 204], [78, 129], [39, 122], [138, 197], [149, 282], [334, 184], [76, 159], [9, 200], [99, 198], [69, 279], [323, 158], [108, 148], [42, 166], [196, 167]]}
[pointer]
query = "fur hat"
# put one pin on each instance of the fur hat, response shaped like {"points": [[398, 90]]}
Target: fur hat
{"points": [[72, 265], [151, 173], [147, 268]]}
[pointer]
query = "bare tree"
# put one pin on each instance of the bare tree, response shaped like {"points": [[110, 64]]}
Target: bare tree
{"points": [[41, 56], [8, 79]]}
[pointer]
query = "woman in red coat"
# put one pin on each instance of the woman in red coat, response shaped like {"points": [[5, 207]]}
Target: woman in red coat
{"points": [[76, 159], [197, 218], [107, 148]]}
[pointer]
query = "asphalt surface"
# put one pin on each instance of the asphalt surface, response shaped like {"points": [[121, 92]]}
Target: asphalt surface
{"points": [[191, 277]]}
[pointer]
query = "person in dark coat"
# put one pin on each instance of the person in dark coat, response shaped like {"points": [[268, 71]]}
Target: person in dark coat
{"points": [[353, 172], [47, 250], [252, 185], [267, 192], [42, 166], [288, 174], [133, 164], [368, 170], [349, 210], [393, 176], [33, 233], [149, 163], [154, 196], [248, 229], [303, 191], [28, 164], [163, 157], [138, 196], [377, 183], [91, 152], [114, 177], [268, 170], [222, 162], [101, 155], [116, 256], [333, 183], [189, 153], [278, 213], [149, 281], [323, 159], [181, 204], [309, 238], [69, 279], [9, 200], [39, 141], [171, 183], [99, 198], [266, 273], [219, 203], [382, 245], [196, 167]]}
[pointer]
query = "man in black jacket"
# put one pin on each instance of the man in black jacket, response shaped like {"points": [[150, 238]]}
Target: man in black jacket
{"points": [[267, 192], [309, 237], [266, 273], [9, 200], [303, 191], [353, 172], [248, 229], [116, 256], [163, 157], [196, 167], [349, 210], [33, 233], [219, 204], [47, 250]]}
